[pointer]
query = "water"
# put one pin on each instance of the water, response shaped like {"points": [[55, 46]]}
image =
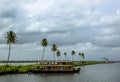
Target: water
{"points": [[90, 73]]}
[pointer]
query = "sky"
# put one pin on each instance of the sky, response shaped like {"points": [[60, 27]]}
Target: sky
{"points": [[88, 26]]}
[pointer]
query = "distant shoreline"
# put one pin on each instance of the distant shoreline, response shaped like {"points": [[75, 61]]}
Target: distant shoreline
{"points": [[35, 61]]}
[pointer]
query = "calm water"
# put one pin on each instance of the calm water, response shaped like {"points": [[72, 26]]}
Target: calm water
{"points": [[90, 73]]}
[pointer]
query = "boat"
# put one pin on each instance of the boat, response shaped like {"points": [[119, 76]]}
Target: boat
{"points": [[55, 67]]}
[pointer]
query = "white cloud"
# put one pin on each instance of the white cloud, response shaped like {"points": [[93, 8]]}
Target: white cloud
{"points": [[82, 25], [118, 12], [36, 7]]}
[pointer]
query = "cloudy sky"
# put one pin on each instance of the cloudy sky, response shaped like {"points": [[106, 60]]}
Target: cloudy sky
{"points": [[89, 26]]}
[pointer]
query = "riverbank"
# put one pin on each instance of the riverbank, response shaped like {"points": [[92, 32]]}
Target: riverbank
{"points": [[12, 69], [87, 63]]}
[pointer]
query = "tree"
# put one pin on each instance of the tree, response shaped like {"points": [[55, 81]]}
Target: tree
{"points": [[105, 59], [80, 54], [11, 38], [54, 48], [65, 55], [58, 54], [83, 56], [44, 43], [72, 53]]}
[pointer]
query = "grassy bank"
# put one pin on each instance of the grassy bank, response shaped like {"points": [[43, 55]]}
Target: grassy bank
{"points": [[87, 63], [11, 69]]}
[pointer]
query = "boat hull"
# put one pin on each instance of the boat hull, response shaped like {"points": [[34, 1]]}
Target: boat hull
{"points": [[44, 71]]}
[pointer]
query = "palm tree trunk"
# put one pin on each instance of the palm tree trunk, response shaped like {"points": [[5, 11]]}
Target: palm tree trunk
{"points": [[65, 58], [82, 61], [8, 56], [58, 59], [43, 53], [72, 57], [54, 57]]}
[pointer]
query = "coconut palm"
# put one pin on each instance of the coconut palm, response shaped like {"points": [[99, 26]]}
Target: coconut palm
{"points": [[80, 54], [44, 43], [83, 56], [54, 48], [11, 38], [72, 53], [65, 55], [58, 54], [105, 59]]}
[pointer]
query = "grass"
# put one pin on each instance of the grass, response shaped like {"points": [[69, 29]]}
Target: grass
{"points": [[11, 69], [86, 63]]}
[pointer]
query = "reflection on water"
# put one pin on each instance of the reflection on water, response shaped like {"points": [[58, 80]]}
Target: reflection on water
{"points": [[53, 74], [90, 73], [59, 77]]}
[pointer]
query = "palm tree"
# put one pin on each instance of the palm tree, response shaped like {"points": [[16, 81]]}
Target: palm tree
{"points": [[11, 38], [73, 53], [83, 56], [105, 59], [80, 54], [58, 54], [44, 43], [54, 48], [65, 55]]}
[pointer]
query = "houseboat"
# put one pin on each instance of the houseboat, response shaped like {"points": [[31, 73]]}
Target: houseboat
{"points": [[55, 67]]}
